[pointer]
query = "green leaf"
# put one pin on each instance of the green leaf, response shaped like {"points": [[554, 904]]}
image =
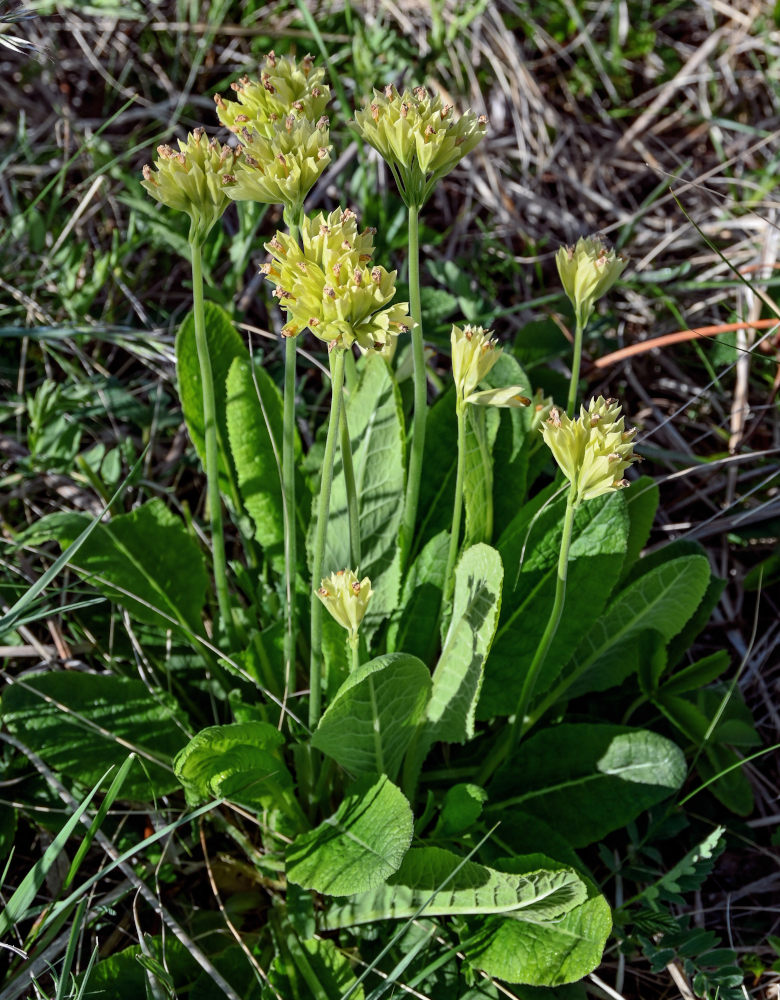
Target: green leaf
{"points": [[437, 487], [460, 810], [512, 443], [457, 679], [586, 780], [410, 628], [225, 345], [732, 788], [641, 504], [681, 644], [663, 599], [370, 722], [544, 952], [377, 434], [242, 762], [697, 675], [316, 969], [446, 885], [81, 723], [254, 423], [481, 429], [146, 561], [359, 846], [599, 539]]}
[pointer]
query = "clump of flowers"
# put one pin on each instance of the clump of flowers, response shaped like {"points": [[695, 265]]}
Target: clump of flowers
{"points": [[281, 168], [592, 451], [346, 598], [194, 179], [327, 284], [285, 87], [474, 352], [419, 137], [587, 271]]}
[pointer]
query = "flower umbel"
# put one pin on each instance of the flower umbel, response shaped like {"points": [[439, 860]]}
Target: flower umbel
{"points": [[281, 168], [594, 450], [193, 180], [346, 598], [419, 137], [329, 285], [587, 271], [285, 87], [474, 352]]}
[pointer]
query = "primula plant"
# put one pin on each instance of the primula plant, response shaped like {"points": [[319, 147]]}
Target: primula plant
{"points": [[414, 780]]}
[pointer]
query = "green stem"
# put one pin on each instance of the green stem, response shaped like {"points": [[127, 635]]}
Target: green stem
{"points": [[210, 442], [351, 489], [449, 576], [354, 644], [323, 509], [579, 329], [290, 536], [420, 388], [293, 218], [507, 746]]}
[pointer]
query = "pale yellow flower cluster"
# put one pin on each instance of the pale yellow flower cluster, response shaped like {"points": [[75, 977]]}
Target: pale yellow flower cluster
{"points": [[285, 87], [594, 450], [588, 270], [328, 284], [419, 137], [346, 598], [282, 168], [193, 179], [474, 352]]}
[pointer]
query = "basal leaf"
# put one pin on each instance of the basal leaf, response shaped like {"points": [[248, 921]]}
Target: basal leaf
{"points": [[368, 725], [359, 846], [437, 488], [146, 561], [457, 679], [315, 968], [377, 434], [410, 628], [663, 599], [241, 761], [530, 552], [512, 444], [448, 886], [544, 952], [254, 423], [225, 344], [641, 505], [481, 429], [586, 780], [81, 724]]}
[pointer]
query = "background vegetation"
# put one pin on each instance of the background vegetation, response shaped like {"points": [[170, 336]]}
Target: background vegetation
{"points": [[655, 123]]}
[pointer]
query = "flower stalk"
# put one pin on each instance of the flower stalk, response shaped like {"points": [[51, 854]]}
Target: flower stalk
{"points": [[210, 442], [323, 511], [420, 416]]}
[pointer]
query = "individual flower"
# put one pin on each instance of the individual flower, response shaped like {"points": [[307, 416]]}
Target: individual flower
{"points": [[193, 180], [419, 137], [587, 271], [594, 450], [541, 408], [285, 87], [474, 352], [346, 598], [327, 283], [281, 168]]}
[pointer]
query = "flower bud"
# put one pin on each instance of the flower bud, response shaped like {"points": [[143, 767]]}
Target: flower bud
{"points": [[474, 352], [592, 451], [346, 598], [587, 271], [194, 180]]}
